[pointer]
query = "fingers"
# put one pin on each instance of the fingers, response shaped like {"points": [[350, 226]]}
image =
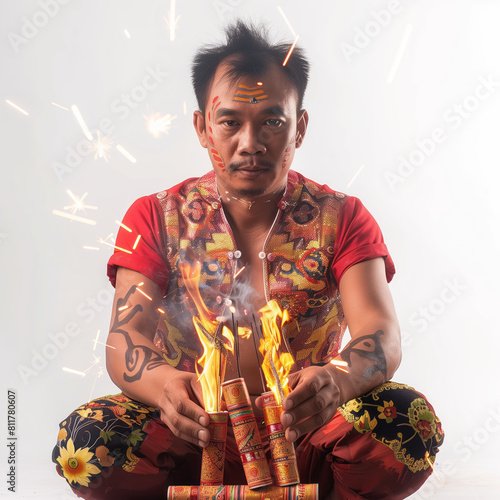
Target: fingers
{"points": [[185, 418], [311, 404]]}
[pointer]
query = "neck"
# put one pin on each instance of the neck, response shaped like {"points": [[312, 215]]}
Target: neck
{"points": [[251, 213]]}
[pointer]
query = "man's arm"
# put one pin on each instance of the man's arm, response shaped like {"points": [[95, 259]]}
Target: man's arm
{"points": [[138, 368], [373, 354]]}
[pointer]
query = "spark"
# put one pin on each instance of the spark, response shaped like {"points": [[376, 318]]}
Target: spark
{"points": [[96, 339], [122, 308], [136, 242], [101, 146], [76, 372], [338, 362], [239, 272], [291, 50], [356, 175], [75, 218], [107, 345], [143, 293], [260, 84], [86, 247], [400, 53], [81, 122], [429, 461], [100, 240], [172, 21], [78, 205], [158, 124], [98, 375], [141, 283], [161, 311], [97, 359], [15, 106], [286, 21], [59, 106], [127, 34], [125, 153], [184, 107], [124, 226], [341, 369]]}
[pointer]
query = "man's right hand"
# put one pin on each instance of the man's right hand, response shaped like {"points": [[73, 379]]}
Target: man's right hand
{"points": [[180, 409]]}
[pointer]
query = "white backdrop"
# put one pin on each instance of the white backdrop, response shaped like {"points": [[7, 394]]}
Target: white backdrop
{"points": [[404, 100]]}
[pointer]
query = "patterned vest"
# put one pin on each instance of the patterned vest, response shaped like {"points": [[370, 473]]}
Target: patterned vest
{"points": [[297, 259]]}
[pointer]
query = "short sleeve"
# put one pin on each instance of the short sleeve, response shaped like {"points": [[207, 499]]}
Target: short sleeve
{"points": [[358, 238], [140, 244]]}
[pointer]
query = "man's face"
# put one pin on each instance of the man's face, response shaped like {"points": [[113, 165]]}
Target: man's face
{"points": [[251, 130]]}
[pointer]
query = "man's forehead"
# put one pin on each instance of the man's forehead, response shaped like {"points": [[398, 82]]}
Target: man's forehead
{"points": [[250, 88]]}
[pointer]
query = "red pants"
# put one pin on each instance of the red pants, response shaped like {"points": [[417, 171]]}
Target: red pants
{"points": [[377, 446]]}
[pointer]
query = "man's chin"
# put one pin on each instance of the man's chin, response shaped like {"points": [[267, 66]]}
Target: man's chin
{"points": [[251, 192]]}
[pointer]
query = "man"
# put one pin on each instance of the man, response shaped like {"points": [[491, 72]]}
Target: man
{"points": [[292, 240]]}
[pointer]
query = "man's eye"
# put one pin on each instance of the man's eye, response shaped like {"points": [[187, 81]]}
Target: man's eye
{"points": [[274, 122], [230, 123]]}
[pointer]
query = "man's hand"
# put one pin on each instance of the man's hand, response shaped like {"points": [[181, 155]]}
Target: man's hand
{"points": [[312, 403], [180, 409]]}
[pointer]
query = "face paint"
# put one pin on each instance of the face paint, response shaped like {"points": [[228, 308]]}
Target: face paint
{"points": [[215, 154], [286, 157], [251, 95]]}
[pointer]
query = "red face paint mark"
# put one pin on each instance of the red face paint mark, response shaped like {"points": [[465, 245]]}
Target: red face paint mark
{"points": [[215, 154]]}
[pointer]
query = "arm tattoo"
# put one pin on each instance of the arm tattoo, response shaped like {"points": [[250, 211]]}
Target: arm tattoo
{"points": [[369, 347], [137, 357]]}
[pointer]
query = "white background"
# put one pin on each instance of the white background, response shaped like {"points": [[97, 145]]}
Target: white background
{"points": [[440, 218]]}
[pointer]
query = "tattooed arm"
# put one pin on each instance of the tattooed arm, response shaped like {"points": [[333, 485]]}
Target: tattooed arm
{"points": [[138, 368], [373, 354]]}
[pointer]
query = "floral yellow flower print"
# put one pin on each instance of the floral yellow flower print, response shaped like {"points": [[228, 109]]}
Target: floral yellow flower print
{"points": [[387, 412], [76, 465]]}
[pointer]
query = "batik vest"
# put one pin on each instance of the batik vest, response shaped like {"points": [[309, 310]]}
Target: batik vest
{"points": [[296, 259]]}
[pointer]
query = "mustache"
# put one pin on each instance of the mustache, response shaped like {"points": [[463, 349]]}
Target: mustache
{"points": [[253, 164]]}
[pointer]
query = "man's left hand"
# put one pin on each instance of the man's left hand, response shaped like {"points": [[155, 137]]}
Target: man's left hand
{"points": [[313, 401]]}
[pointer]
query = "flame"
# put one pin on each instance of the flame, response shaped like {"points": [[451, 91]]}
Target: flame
{"points": [[276, 366], [244, 332], [213, 361]]}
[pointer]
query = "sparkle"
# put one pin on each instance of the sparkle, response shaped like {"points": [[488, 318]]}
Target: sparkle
{"points": [[125, 153], [104, 242], [143, 293], [78, 205], [341, 369], [75, 218], [96, 339], [400, 53], [158, 124], [338, 362], [291, 50], [356, 175], [286, 21], [90, 248], [127, 34], [76, 372], [161, 311], [172, 21], [59, 106], [122, 308], [81, 122], [136, 242], [15, 106], [124, 226], [101, 146]]}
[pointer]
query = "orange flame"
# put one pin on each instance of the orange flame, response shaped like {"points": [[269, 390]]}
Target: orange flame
{"points": [[212, 362], [276, 366]]}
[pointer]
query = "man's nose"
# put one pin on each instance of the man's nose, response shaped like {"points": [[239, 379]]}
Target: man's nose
{"points": [[252, 141]]}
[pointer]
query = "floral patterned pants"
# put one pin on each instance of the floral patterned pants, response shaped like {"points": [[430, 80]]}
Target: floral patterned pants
{"points": [[378, 446]]}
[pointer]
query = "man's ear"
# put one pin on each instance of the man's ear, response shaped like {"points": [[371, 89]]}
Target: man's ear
{"points": [[199, 126], [301, 127]]}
